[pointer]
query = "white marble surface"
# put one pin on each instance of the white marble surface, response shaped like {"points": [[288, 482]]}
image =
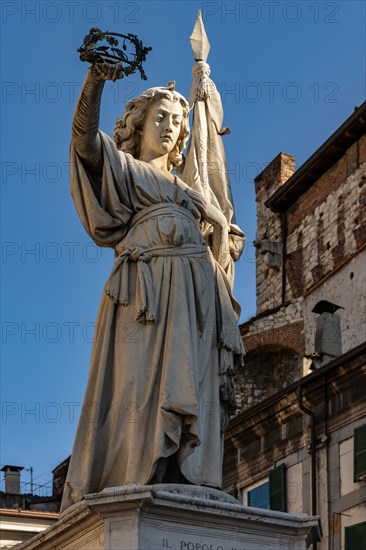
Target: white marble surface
{"points": [[173, 517]]}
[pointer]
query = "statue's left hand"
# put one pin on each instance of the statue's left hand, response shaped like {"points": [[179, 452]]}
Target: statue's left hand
{"points": [[221, 245], [220, 237]]}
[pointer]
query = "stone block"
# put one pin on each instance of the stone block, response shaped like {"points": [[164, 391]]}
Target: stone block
{"points": [[175, 517]]}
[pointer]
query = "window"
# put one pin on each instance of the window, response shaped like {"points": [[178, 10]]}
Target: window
{"points": [[259, 496], [271, 494], [359, 471], [355, 537]]}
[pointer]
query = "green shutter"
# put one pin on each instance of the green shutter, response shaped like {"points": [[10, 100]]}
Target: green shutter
{"points": [[359, 453], [356, 536], [277, 489]]}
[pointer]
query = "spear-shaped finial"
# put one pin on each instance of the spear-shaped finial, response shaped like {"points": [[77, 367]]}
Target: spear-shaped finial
{"points": [[199, 41]]}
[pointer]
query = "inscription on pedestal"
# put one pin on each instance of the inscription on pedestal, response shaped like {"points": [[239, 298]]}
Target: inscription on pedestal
{"points": [[195, 537], [190, 545]]}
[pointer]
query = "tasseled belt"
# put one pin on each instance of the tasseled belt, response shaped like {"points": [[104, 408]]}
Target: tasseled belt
{"points": [[117, 287]]}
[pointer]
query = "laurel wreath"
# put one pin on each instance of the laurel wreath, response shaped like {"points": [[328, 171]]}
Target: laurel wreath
{"points": [[131, 61]]}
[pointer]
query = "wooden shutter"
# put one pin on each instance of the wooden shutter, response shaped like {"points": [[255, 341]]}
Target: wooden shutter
{"points": [[359, 471], [355, 536], [277, 489]]}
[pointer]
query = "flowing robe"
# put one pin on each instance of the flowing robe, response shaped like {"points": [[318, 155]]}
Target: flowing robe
{"points": [[166, 334]]}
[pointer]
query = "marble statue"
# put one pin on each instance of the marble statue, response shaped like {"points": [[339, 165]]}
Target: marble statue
{"points": [[160, 387]]}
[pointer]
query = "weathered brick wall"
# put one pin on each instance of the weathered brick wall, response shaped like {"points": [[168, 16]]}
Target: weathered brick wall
{"points": [[326, 246], [275, 347], [327, 225], [326, 232], [282, 326], [268, 279], [265, 372]]}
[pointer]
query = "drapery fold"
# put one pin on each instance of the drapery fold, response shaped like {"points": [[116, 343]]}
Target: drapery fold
{"points": [[166, 340], [205, 166]]}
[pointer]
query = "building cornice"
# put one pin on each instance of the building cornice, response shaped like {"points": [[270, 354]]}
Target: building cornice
{"points": [[305, 381], [33, 514], [323, 159]]}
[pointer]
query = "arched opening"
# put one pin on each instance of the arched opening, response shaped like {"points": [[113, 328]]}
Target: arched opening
{"points": [[267, 370]]}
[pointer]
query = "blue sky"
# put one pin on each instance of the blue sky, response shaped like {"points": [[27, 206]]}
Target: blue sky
{"points": [[289, 72]]}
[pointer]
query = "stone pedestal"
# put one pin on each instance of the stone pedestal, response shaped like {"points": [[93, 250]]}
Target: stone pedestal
{"points": [[176, 517]]}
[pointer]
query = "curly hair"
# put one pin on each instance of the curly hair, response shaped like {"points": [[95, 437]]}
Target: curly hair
{"points": [[129, 127]]}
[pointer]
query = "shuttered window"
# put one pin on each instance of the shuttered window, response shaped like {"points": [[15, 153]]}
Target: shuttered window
{"points": [[277, 489], [355, 536], [259, 496], [359, 470]]}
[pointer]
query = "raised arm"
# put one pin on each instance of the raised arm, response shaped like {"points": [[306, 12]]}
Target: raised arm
{"points": [[86, 117]]}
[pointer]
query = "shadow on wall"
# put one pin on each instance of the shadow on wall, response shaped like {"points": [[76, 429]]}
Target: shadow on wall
{"points": [[266, 371]]}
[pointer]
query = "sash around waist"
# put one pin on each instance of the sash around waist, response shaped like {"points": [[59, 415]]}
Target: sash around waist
{"points": [[136, 252], [117, 286], [140, 253]]}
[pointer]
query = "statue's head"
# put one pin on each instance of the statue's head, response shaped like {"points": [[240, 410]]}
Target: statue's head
{"points": [[129, 129]]}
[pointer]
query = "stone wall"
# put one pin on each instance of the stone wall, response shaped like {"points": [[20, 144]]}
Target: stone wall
{"points": [[327, 224], [275, 345], [325, 260], [346, 288], [264, 373], [282, 326], [326, 227], [268, 276]]}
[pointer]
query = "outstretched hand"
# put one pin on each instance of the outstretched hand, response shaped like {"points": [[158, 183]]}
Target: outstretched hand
{"points": [[107, 71]]}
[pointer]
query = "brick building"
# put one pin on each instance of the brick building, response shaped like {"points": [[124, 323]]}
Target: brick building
{"points": [[310, 244], [302, 391]]}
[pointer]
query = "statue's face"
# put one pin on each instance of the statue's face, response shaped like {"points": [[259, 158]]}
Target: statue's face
{"points": [[161, 128]]}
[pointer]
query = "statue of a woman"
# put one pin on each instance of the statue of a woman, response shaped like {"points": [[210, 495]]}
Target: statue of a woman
{"points": [[166, 343]]}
